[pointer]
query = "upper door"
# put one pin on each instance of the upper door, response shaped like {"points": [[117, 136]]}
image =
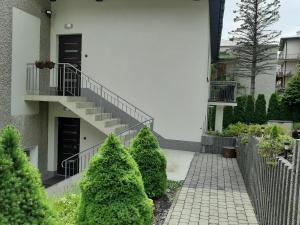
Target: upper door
{"points": [[70, 52]]}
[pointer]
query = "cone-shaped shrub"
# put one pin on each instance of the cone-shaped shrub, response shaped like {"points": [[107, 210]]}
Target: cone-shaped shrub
{"points": [[22, 198], [112, 190], [239, 110], [249, 110], [260, 110], [274, 108], [151, 161], [227, 116]]}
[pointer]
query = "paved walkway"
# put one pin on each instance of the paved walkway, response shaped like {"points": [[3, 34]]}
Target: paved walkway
{"points": [[213, 193]]}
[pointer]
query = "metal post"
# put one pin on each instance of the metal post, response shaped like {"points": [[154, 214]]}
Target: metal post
{"points": [[64, 74]]}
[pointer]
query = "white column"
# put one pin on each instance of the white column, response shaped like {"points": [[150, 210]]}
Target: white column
{"points": [[219, 118]]}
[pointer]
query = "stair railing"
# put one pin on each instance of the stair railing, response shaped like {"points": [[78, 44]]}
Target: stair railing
{"points": [[78, 162], [67, 80]]}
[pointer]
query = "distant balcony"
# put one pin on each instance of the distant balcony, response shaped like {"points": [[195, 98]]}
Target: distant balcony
{"points": [[222, 92], [283, 56]]}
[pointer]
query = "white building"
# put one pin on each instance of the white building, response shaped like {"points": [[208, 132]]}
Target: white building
{"points": [[265, 82], [117, 63], [288, 59]]}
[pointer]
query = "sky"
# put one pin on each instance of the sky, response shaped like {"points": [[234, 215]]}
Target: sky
{"points": [[289, 22]]}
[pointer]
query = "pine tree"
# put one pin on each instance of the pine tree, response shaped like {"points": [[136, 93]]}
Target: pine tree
{"points": [[239, 110], [274, 108], [22, 197], [249, 110], [260, 110], [112, 190], [151, 161], [228, 117], [254, 38]]}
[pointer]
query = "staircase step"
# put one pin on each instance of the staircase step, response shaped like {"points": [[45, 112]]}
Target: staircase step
{"points": [[94, 110], [103, 116], [76, 99], [112, 122], [117, 128], [85, 104]]}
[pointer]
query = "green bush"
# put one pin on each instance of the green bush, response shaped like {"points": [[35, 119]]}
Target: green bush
{"points": [[249, 110], [274, 108], [272, 145], [151, 162], [211, 117], [260, 110], [112, 190], [292, 93], [22, 197], [228, 117], [239, 110]]}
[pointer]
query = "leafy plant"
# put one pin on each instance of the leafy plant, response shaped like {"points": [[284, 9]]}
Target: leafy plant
{"points": [[260, 110], [151, 162], [23, 199], [272, 145], [112, 190], [66, 208]]}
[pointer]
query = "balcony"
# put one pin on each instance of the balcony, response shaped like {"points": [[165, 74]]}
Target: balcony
{"points": [[223, 93], [283, 56]]}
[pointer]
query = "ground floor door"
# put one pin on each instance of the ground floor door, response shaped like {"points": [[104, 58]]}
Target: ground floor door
{"points": [[69, 80], [68, 144]]}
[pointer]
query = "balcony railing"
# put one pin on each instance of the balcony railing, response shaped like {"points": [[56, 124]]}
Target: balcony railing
{"points": [[283, 56], [223, 91]]}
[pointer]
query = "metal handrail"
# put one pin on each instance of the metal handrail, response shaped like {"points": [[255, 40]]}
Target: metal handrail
{"points": [[100, 86], [64, 163]]}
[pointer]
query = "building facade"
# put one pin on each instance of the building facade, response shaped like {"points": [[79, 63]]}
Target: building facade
{"points": [[116, 63], [288, 60]]}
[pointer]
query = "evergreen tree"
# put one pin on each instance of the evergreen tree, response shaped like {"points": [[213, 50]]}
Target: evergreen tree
{"points": [[254, 38], [22, 197], [274, 108], [291, 95], [239, 110], [228, 116], [151, 162], [249, 110], [112, 190], [260, 110]]}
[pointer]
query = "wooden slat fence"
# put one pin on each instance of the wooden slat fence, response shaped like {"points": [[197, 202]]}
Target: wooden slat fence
{"points": [[274, 192]]}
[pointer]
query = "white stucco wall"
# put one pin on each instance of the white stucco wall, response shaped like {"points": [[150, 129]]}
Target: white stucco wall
{"points": [[153, 53], [89, 136], [292, 47], [25, 48]]}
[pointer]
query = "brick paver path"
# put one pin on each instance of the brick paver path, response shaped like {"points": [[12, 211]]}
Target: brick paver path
{"points": [[213, 193]]}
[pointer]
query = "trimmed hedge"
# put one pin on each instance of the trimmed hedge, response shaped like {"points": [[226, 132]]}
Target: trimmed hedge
{"points": [[260, 110], [228, 117], [274, 108], [151, 162], [249, 110], [239, 110], [22, 197], [112, 190]]}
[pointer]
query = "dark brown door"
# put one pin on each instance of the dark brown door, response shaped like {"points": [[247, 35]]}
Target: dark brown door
{"points": [[68, 144], [70, 52]]}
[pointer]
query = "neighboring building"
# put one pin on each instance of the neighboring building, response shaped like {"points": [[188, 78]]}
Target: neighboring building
{"points": [[288, 60], [228, 68], [155, 54]]}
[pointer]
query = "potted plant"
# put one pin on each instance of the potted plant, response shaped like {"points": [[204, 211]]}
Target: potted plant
{"points": [[49, 64], [40, 64]]}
